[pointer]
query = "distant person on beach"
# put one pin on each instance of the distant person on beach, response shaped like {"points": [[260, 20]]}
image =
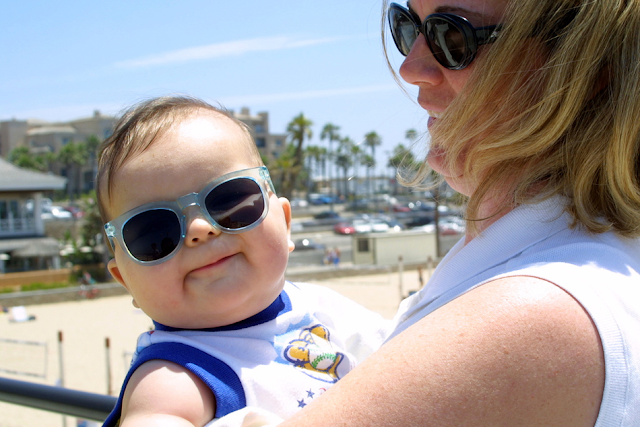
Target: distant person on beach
{"points": [[201, 241]]}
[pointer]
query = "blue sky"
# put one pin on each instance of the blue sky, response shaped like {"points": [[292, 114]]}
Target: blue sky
{"points": [[64, 59]]}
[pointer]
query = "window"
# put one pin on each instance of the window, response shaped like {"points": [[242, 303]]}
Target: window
{"points": [[259, 128], [278, 142], [363, 245], [261, 142]]}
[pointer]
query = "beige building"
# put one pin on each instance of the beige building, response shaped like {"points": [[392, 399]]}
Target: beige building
{"points": [[270, 145], [12, 135], [44, 137]]}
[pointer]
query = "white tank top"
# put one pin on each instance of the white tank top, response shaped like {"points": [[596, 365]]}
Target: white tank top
{"points": [[602, 272]]}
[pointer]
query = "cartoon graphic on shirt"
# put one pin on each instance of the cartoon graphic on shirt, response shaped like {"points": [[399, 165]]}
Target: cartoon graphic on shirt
{"points": [[313, 352]]}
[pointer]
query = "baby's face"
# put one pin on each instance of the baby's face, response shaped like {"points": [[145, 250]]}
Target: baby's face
{"points": [[215, 278]]}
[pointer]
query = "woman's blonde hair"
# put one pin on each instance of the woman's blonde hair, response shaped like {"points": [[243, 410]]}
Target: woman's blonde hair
{"points": [[139, 127], [553, 107]]}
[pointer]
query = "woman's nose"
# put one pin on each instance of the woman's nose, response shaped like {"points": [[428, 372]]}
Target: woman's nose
{"points": [[420, 67], [199, 229]]}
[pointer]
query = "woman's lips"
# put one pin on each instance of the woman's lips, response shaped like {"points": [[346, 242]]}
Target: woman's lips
{"points": [[433, 116], [431, 121]]}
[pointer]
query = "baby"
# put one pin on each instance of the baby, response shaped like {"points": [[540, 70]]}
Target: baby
{"points": [[201, 241]]}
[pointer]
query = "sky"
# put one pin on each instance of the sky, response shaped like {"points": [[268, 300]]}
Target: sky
{"points": [[61, 60]]}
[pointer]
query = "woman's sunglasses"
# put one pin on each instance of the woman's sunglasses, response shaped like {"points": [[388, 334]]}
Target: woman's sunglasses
{"points": [[154, 232], [451, 38]]}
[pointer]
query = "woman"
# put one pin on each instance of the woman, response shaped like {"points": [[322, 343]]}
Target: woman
{"points": [[533, 319]]}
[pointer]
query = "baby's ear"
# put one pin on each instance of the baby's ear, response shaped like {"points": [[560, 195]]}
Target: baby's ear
{"points": [[286, 208], [115, 272], [112, 266]]}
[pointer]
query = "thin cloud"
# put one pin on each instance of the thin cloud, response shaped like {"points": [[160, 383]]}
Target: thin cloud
{"points": [[218, 50], [311, 94]]}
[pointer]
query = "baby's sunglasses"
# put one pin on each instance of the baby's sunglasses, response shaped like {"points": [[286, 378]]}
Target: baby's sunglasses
{"points": [[233, 203], [451, 38]]}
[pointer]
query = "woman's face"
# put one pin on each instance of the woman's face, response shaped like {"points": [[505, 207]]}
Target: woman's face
{"points": [[438, 86]]}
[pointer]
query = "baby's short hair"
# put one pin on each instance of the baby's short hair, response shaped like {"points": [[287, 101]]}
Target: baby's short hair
{"points": [[139, 127]]}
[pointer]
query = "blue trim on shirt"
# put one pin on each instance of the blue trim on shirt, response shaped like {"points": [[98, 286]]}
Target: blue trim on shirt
{"points": [[217, 375], [281, 305]]}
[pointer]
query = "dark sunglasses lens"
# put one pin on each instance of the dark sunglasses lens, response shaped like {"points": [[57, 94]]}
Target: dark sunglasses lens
{"points": [[446, 41], [236, 204], [152, 235], [403, 30]]}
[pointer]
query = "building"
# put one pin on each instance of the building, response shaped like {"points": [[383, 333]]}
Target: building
{"points": [[43, 137], [270, 145], [23, 244]]}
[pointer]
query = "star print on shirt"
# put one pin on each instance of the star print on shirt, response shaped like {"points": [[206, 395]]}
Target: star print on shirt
{"points": [[310, 394], [301, 403]]}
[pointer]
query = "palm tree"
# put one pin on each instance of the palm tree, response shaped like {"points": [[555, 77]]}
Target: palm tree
{"points": [[92, 143], [344, 161], [330, 132], [316, 156], [370, 163], [411, 135], [356, 153], [299, 129], [24, 158], [401, 156], [372, 140], [284, 172], [73, 155]]}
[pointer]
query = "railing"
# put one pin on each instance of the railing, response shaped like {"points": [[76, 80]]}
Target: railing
{"points": [[65, 401], [17, 225]]}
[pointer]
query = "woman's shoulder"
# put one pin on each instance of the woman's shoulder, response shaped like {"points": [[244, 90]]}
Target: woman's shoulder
{"points": [[525, 342], [541, 338]]}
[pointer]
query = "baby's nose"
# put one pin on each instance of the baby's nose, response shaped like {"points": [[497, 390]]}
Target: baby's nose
{"points": [[199, 230]]}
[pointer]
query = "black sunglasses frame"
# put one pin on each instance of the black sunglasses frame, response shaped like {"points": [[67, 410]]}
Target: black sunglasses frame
{"points": [[472, 37]]}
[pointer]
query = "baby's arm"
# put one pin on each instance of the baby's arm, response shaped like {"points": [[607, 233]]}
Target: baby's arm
{"points": [[162, 393]]}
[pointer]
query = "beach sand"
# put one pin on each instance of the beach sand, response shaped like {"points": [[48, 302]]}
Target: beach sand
{"points": [[86, 325]]}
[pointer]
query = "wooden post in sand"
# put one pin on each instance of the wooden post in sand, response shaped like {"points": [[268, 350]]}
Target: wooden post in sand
{"points": [[61, 368], [107, 348]]}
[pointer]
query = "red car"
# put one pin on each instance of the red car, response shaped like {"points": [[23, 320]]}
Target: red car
{"points": [[344, 228]]}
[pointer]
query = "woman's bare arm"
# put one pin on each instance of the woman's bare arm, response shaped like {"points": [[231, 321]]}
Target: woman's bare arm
{"points": [[518, 351]]}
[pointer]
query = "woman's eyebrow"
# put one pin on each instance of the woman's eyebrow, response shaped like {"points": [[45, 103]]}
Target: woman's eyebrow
{"points": [[456, 10]]}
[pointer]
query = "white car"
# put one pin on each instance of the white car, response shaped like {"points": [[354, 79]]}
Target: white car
{"points": [[370, 226], [56, 212]]}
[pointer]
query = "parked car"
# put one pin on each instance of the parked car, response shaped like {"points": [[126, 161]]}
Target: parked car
{"points": [[370, 226], [320, 199], [75, 211], [327, 215], [56, 212], [344, 228], [400, 208], [327, 218], [419, 221], [308, 244], [395, 225], [299, 203], [448, 226]]}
